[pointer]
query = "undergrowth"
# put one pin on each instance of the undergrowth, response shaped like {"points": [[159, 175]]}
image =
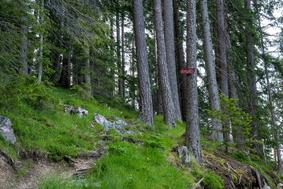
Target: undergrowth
{"points": [[40, 123], [146, 162]]}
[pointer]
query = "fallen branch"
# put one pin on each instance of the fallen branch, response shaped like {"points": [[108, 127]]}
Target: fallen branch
{"points": [[197, 185]]}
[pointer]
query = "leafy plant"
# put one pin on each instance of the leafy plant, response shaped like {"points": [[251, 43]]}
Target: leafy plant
{"points": [[234, 115]]}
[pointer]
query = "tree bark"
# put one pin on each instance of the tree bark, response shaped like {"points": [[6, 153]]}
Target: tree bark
{"points": [[145, 101], [222, 45], [193, 131], [222, 39], [65, 79], [24, 47], [252, 77], [170, 54], [158, 92], [57, 66], [123, 72], [217, 130], [118, 52], [167, 101], [87, 68], [132, 88], [40, 59], [180, 58]]}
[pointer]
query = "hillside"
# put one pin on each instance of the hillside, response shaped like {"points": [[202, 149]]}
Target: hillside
{"points": [[137, 94], [59, 150]]}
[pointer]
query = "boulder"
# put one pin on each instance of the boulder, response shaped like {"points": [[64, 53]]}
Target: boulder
{"points": [[184, 155], [75, 110], [101, 120], [6, 130], [81, 112], [118, 124], [280, 186]]}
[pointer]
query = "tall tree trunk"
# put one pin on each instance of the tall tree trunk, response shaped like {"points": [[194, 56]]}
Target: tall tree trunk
{"points": [[118, 52], [222, 38], [40, 59], [180, 58], [123, 72], [217, 133], [193, 131], [145, 101], [170, 54], [252, 77], [158, 92], [77, 69], [65, 79], [132, 88], [24, 47], [57, 66], [87, 68], [167, 101], [233, 92], [222, 45], [112, 48]]}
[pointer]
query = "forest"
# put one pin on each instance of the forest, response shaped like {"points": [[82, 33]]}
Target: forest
{"points": [[141, 94]]}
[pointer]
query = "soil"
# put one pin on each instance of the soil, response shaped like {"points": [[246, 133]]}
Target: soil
{"points": [[40, 169]]}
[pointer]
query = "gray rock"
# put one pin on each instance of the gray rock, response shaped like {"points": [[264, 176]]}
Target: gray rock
{"points": [[101, 120], [118, 124], [184, 155], [81, 112], [6, 130], [280, 186], [74, 110]]}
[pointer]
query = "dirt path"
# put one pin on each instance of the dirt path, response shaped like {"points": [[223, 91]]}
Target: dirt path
{"points": [[39, 171], [10, 179]]}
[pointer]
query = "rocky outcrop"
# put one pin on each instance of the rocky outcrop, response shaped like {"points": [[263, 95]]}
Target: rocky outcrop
{"points": [[6, 130], [280, 186], [118, 124], [81, 112]]}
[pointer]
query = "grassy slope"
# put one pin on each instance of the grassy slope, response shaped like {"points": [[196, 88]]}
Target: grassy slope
{"points": [[49, 129], [41, 124]]}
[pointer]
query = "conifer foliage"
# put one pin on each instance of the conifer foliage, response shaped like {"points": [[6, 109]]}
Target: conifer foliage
{"points": [[211, 63]]}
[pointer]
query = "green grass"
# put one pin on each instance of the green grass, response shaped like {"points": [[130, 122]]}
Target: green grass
{"points": [[128, 165], [143, 166], [40, 123]]}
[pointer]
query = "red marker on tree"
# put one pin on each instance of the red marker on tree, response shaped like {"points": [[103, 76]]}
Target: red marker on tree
{"points": [[187, 71]]}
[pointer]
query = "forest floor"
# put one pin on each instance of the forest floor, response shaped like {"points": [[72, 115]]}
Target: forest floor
{"points": [[56, 150], [37, 170]]}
